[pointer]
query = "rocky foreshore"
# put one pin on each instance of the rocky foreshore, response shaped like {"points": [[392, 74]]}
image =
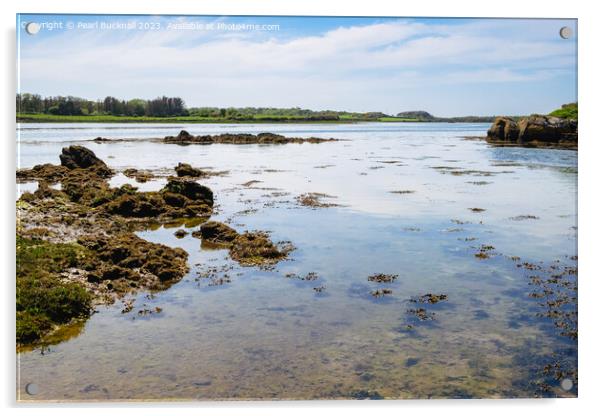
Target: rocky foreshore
{"points": [[262, 138], [534, 131], [76, 246]]}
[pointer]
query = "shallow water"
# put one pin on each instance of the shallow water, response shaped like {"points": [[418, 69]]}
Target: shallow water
{"points": [[263, 335]]}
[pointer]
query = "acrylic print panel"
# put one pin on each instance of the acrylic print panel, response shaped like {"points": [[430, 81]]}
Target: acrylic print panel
{"points": [[217, 207]]}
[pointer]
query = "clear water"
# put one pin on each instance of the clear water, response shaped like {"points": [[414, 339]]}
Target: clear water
{"points": [[263, 335]]}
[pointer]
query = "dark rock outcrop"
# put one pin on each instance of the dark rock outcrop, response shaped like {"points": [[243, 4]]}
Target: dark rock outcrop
{"points": [[547, 129], [76, 162], [74, 157], [534, 131], [503, 129], [262, 138]]}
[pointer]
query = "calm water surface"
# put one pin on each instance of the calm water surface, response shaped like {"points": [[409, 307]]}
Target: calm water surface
{"points": [[263, 335]]}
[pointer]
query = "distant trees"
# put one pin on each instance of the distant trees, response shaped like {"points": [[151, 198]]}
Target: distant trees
{"points": [[264, 113], [158, 107]]}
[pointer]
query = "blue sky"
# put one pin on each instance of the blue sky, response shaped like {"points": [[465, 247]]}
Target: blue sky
{"points": [[449, 67]]}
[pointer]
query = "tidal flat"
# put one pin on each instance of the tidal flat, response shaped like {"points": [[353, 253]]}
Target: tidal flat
{"points": [[418, 265]]}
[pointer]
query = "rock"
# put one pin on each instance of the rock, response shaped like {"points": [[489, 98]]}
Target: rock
{"points": [[137, 205], [190, 189], [255, 248], [429, 298], [218, 232], [184, 169], [46, 172], [503, 129], [534, 131], [129, 258], [74, 157], [546, 129], [117, 272], [141, 176], [180, 233], [382, 278], [264, 138]]}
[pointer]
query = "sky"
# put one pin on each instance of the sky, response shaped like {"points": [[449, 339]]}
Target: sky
{"points": [[448, 67]]}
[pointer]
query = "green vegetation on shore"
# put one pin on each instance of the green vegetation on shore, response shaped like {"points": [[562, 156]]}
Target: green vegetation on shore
{"points": [[345, 118], [568, 111], [107, 118], [44, 299], [69, 109]]}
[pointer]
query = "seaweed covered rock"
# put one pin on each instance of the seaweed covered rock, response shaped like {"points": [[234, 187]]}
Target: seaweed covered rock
{"points": [[140, 176], [74, 157], [184, 169], [190, 189], [44, 298], [262, 138], [133, 260], [256, 248], [78, 163], [218, 232], [251, 248], [138, 205], [46, 172], [86, 187]]}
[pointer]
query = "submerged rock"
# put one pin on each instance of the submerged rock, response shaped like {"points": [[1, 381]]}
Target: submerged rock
{"points": [[429, 298], [315, 200], [382, 278]]}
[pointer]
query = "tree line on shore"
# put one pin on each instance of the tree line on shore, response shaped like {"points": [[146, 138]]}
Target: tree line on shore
{"points": [[75, 106], [170, 107], [35, 104]]}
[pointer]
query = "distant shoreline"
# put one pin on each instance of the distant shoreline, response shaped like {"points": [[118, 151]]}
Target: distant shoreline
{"points": [[48, 118]]}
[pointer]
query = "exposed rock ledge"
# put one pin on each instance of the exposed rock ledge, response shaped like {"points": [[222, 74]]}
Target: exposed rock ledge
{"points": [[262, 138], [534, 131]]}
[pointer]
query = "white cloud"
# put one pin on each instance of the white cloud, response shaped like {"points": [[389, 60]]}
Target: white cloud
{"points": [[259, 69]]}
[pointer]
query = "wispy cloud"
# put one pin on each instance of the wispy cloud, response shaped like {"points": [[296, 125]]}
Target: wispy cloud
{"points": [[366, 66]]}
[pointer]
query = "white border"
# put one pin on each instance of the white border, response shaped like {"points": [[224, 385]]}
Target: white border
{"points": [[590, 210]]}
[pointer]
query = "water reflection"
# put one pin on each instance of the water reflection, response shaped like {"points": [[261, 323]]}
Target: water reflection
{"points": [[227, 331]]}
